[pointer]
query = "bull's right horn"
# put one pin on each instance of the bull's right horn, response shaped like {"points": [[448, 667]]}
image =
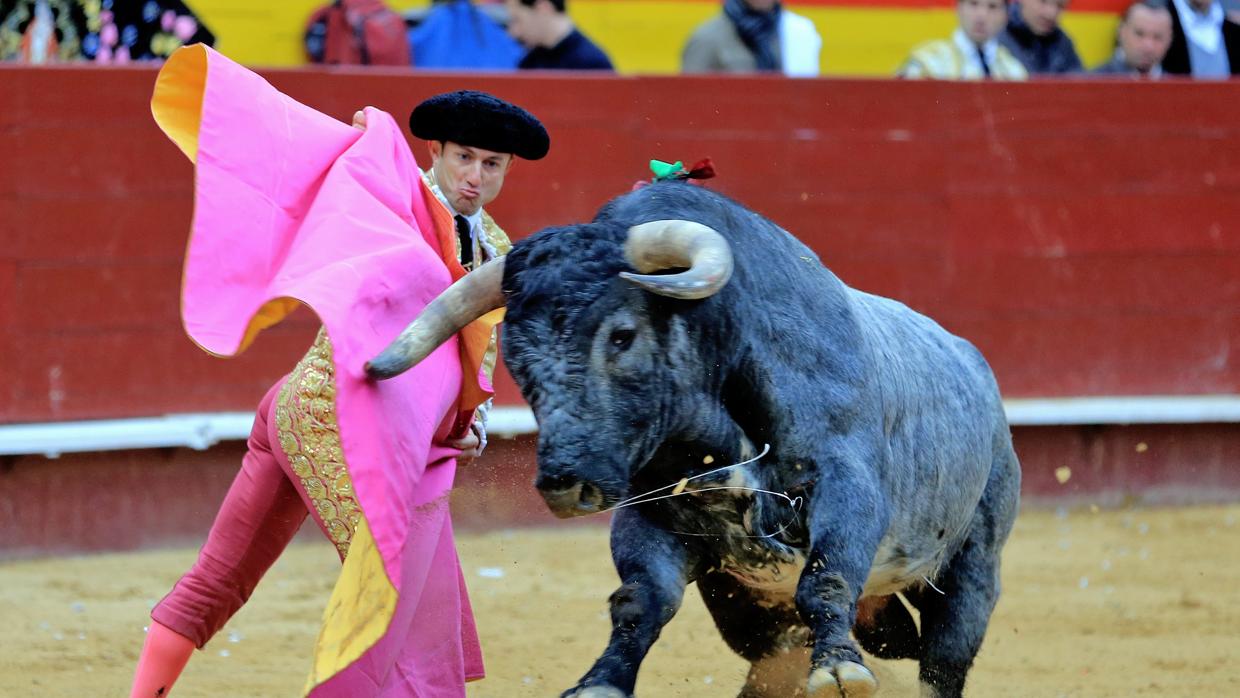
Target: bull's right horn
{"points": [[472, 296], [668, 244]]}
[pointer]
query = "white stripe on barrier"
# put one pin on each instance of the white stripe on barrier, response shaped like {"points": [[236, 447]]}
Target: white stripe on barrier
{"points": [[1141, 409], [200, 431], [197, 431]]}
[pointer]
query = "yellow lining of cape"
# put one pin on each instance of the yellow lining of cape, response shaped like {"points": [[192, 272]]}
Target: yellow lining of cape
{"points": [[177, 102], [358, 614], [176, 105]]}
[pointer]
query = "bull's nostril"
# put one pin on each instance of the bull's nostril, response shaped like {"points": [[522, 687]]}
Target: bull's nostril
{"points": [[591, 497], [563, 503], [576, 498]]}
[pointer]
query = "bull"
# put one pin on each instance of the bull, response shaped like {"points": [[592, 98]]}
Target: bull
{"points": [[678, 332]]}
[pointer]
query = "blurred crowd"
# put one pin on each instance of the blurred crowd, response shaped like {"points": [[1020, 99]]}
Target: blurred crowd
{"points": [[102, 31], [1014, 41], [994, 39]]}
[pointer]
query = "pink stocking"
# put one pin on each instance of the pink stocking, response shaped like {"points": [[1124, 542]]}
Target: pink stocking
{"points": [[163, 657]]}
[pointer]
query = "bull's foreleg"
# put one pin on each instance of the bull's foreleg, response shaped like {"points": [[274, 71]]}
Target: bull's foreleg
{"points": [[845, 525], [654, 567]]}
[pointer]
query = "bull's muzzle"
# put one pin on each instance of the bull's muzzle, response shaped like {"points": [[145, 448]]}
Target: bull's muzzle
{"points": [[567, 500]]}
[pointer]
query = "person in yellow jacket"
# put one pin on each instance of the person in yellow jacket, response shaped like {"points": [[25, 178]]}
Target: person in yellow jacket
{"points": [[972, 53]]}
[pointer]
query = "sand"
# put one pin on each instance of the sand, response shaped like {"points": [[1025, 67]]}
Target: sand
{"points": [[1095, 603]]}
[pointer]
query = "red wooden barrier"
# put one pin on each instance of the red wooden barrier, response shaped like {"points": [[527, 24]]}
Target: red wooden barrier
{"points": [[1086, 236], [134, 499]]}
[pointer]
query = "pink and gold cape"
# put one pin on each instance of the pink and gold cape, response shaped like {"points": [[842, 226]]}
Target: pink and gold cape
{"points": [[294, 207]]}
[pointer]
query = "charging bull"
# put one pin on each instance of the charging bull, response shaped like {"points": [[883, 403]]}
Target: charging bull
{"points": [[680, 332]]}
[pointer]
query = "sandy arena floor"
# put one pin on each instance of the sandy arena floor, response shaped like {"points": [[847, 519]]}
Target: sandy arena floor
{"points": [[1111, 603]]}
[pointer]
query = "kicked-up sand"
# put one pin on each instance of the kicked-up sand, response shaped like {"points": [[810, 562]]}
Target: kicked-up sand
{"points": [[1135, 602]]}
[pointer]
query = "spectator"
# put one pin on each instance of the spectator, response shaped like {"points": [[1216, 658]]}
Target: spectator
{"points": [[1144, 37], [554, 42], [1204, 42], [357, 32], [456, 34], [972, 53], [754, 35], [1034, 36]]}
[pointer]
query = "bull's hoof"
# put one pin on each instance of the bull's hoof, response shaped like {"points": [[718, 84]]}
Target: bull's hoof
{"points": [[594, 692], [842, 680]]}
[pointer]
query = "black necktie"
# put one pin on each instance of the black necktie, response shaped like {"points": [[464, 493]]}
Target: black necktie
{"points": [[981, 56], [467, 243]]}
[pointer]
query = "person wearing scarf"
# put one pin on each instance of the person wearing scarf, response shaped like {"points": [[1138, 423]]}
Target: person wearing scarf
{"points": [[757, 26], [1035, 37], [754, 36]]}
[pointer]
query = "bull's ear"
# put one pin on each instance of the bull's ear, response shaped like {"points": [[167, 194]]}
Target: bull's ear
{"points": [[472, 296], [670, 244]]}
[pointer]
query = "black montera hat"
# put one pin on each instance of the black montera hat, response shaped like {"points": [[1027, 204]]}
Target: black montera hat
{"points": [[480, 120]]}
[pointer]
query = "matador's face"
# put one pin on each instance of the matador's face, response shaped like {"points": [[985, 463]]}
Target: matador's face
{"points": [[469, 177]]}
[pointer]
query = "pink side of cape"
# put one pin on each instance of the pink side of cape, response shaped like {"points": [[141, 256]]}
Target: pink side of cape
{"points": [[291, 203]]}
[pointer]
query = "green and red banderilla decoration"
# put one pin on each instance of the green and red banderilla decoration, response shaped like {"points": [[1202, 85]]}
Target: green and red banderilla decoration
{"points": [[675, 171]]}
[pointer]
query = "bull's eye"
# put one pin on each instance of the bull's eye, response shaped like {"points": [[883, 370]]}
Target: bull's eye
{"points": [[622, 338]]}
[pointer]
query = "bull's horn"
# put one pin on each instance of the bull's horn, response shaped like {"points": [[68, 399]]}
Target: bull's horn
{"points": [[472, 296], [669, 244]]}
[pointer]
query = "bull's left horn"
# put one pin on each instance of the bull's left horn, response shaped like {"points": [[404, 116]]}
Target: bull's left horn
{"points": [[472, 296], [669, 244]]}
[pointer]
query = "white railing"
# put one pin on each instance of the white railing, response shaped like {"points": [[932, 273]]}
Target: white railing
{"points": [[201, 431]]}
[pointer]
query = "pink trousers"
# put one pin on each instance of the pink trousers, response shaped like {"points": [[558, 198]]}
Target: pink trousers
{"points": [[260, 515]]}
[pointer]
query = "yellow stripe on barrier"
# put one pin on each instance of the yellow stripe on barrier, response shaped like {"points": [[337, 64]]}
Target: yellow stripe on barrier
{"points": [[647, 36]]}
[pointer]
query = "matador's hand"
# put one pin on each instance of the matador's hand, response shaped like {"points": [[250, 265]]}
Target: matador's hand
{"points": [[471, 445]]}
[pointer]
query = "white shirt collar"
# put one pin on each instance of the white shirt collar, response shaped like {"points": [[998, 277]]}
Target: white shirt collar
{"points": [[1205, 30], [475, 218], [969, 50]]}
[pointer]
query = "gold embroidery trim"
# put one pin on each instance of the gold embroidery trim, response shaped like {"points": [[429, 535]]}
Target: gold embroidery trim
{"points": [[495, 235], [499, 240], [310, 437]]}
